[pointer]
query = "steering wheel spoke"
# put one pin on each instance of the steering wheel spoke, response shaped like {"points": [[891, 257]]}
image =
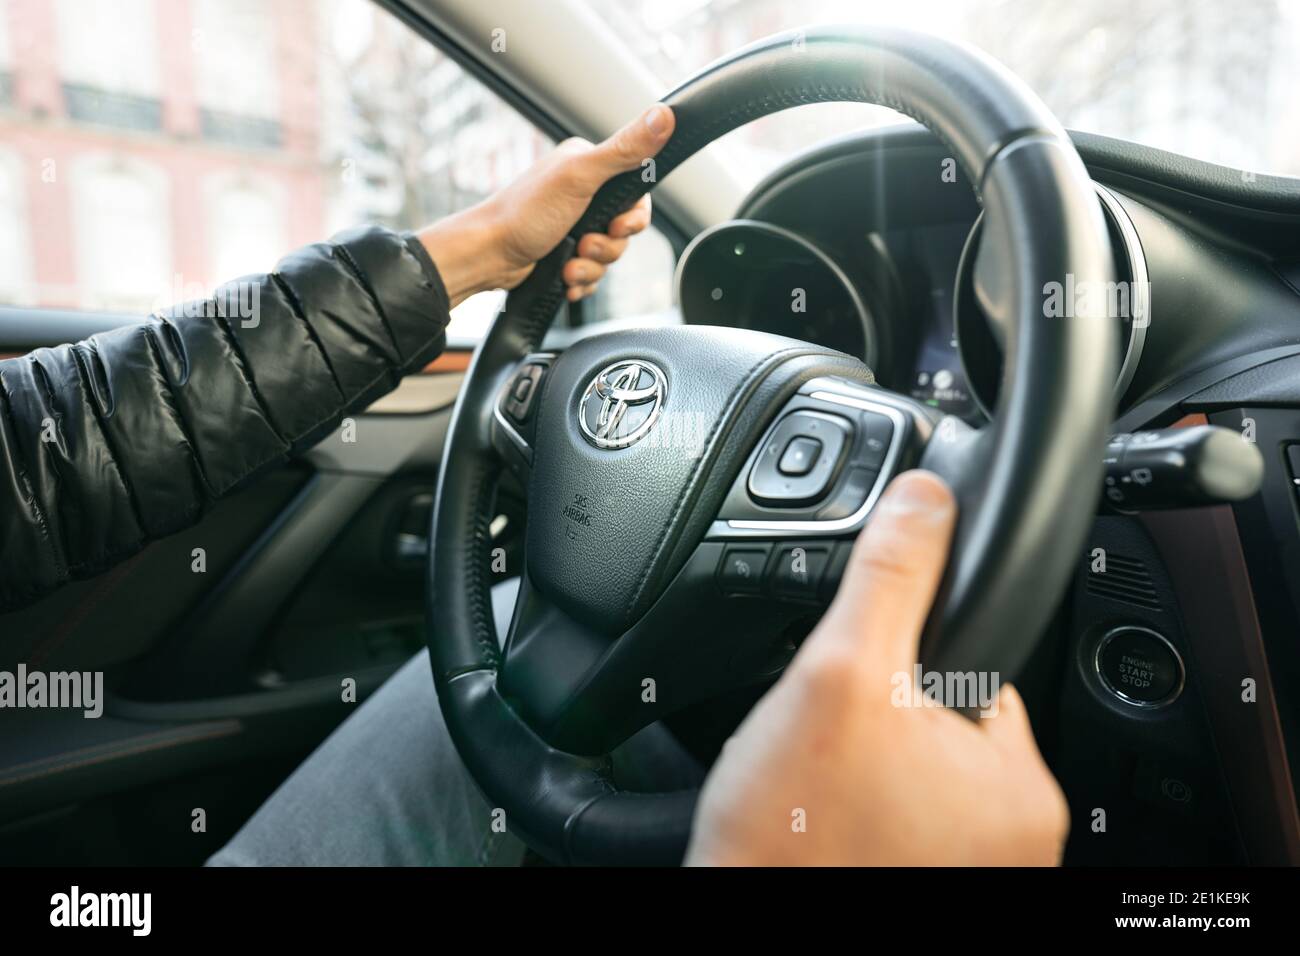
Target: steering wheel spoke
{"points": [[547, 656], [586, 693]]}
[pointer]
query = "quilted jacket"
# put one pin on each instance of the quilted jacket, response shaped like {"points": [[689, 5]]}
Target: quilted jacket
{"points": [[131, 434]]}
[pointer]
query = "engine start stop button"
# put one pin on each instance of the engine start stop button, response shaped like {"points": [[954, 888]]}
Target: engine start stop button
{"points": [[1139, 666]]}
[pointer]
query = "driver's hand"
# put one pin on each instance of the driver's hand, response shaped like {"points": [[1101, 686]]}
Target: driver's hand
{"points": [[827, 771], [495, 244]]}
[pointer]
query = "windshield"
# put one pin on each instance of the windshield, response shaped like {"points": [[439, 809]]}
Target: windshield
{"points": [[1205, 78]]}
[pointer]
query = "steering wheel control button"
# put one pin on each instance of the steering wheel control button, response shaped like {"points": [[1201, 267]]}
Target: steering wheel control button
{"points": [[797, 570], [1139, 666], [799, 456], [1293, 464], [839, 560], [741, 570], [800, 459], [850, 495], [877, 433], [519, 404]]}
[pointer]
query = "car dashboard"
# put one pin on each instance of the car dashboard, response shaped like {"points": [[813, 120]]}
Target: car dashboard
{"points": [[865, 244]]}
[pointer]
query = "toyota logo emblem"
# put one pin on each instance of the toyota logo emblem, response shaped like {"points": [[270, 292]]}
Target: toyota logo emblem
{"points": [[622, 403]]}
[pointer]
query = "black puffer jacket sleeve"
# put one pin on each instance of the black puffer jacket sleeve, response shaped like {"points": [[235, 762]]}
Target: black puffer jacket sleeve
{"points": [[132, 434]]}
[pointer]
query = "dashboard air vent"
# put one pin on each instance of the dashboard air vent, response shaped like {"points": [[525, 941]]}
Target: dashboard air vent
{"points": [[1125, 580]]}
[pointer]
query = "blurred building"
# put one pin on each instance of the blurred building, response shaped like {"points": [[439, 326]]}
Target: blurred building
{"points": [[148, 149]]}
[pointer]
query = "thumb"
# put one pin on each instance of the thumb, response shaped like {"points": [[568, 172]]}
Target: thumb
{"points": [[628, 148], [894, 571]]}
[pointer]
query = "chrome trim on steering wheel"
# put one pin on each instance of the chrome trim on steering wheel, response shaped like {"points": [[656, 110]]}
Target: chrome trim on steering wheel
{"points": [[516, 438], [765, 528]]}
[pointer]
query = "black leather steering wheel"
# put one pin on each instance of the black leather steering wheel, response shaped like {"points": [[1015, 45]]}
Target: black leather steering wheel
{"points": [[648, 457]]}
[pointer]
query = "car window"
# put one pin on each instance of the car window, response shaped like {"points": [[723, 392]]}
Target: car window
{"points": [[151, 149], [1205, 78]]}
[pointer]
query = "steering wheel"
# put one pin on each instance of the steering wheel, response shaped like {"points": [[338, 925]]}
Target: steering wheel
{"points": [[693, 491]]}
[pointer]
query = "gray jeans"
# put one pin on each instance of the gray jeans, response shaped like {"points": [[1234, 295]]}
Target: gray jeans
{"points": [[387, 787]]}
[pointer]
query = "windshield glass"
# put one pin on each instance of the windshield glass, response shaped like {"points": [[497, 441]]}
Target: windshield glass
{"points": [[1205, 78]]}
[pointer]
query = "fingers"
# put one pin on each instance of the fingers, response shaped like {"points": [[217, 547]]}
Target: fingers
{"points": [[628, 148], [601, 248], [631, 222], [597, 250], [894, 571], [582, 272]]}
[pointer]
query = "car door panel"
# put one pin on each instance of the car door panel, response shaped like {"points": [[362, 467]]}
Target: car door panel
{"points": [[303, 602]]}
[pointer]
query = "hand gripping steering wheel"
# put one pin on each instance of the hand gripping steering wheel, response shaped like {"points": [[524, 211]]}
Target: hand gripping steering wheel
{"points": [[679, 531]]}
